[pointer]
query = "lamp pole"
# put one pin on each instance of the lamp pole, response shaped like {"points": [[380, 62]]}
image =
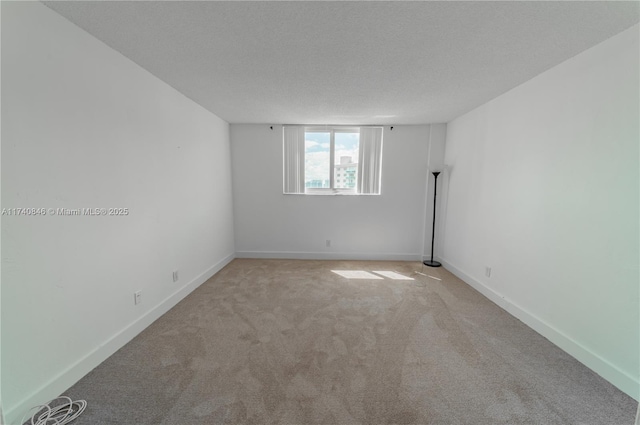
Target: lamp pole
{"points": [[432, 263]]}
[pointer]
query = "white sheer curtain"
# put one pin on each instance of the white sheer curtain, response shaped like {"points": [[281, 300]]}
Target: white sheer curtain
{"points": [[293, 159], [370, 160]]}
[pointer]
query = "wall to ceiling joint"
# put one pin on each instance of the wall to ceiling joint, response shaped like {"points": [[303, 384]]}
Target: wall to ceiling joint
{"points": [[543, 188], [386, 226], [84, 127]]}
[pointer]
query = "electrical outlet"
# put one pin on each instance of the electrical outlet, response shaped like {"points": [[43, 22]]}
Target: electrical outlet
{"points": [[175, 276], [487, 271], [328, 243], [137, 297]]}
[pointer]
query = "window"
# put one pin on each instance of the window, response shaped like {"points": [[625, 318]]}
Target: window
{"points": [[327, 150], [332, 160]]}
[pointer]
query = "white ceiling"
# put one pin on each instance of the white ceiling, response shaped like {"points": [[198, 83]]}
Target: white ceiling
{"points": [[347, 62]]}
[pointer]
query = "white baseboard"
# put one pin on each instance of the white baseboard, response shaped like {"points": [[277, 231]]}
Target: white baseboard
{"points": [[289, 255], [68, 377], [625, 382]]}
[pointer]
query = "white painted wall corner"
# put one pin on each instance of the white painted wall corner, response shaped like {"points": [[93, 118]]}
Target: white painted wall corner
{"points": [[68, 377], [625, 382]]}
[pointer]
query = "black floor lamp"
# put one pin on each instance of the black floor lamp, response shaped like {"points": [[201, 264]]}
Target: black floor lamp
{"points": [[432, 263]]}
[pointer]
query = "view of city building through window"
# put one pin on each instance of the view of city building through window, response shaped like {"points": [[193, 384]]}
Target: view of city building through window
{"points": [[345, 173], [327, 149]]}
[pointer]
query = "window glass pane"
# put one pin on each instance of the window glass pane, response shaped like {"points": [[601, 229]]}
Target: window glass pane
{"points": [[317, 146], [346, 159]]}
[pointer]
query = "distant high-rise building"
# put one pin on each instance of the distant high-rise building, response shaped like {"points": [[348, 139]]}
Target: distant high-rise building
{"points": [[314, 184], [345, 173]]}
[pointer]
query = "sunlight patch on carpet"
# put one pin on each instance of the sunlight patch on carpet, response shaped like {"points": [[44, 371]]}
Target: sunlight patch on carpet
{"points": [[356, 274], [393, 275]]}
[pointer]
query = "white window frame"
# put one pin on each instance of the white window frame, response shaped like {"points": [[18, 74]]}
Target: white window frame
{"points": [[332, 130], [369, 171]]}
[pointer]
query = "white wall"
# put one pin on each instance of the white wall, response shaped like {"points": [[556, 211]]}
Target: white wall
{"points": [[270, 224], [82, 126], [543, 187]]}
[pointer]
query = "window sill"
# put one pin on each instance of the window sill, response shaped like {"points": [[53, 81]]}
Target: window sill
{"points": [[330, 193]]}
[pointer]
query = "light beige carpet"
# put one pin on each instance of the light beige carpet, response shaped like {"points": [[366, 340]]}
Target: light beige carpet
{"points": [[291, 342]]}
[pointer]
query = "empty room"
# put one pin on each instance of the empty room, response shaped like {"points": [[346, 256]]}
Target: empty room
{"points": [[318, 212]]}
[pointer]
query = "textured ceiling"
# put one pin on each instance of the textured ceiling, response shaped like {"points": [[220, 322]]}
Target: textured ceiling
{"points": [[347, 62]]}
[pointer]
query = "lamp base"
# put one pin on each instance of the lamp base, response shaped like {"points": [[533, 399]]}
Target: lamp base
{"points": [[431, 263]]}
